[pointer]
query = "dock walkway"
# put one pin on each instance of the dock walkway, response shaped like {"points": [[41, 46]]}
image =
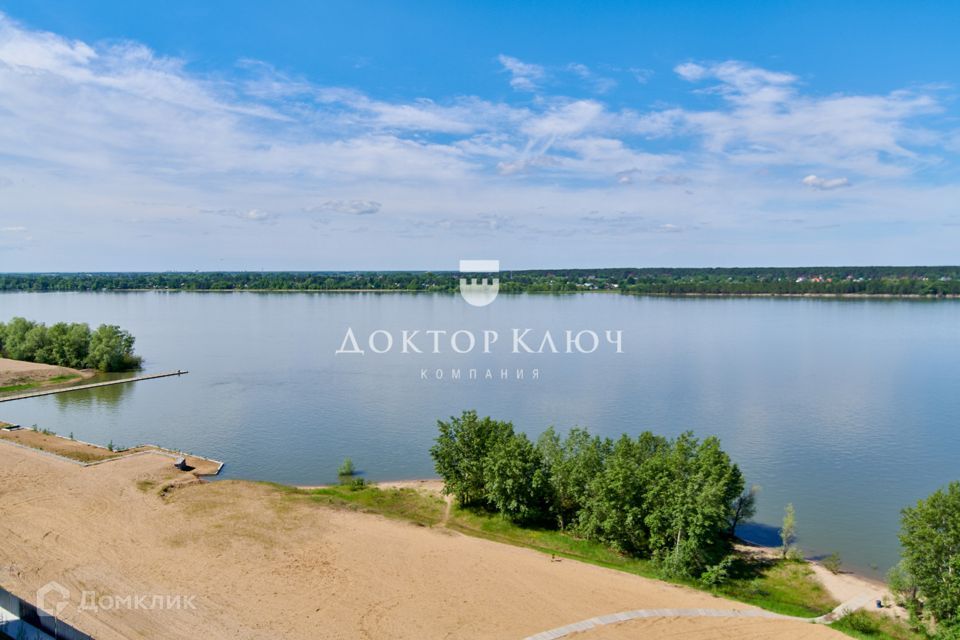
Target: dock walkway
{"points": [[94, 385]]}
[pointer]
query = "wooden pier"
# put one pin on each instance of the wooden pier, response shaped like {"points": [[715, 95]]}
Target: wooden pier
{"points": [[94, 385]]}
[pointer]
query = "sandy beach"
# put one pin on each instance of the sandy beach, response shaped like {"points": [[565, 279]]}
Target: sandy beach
{"points": [[17, 372], [257, 562]]}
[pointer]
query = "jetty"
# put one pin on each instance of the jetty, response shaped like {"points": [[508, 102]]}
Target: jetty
{"points": [[93, 385]]}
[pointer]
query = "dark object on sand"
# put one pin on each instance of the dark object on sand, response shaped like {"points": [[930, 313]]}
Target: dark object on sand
{"points": [[181, 464]]}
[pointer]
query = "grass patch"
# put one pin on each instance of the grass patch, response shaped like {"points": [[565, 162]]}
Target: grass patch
{"points": [[19, 387], [405, 504], [870, 625], [64, 378], [146, 485], [784, 587], [493, 527], [26, 386]]}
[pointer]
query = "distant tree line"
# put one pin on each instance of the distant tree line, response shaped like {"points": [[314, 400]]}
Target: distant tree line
{"points": [[921, 281], [108, 348], [672, 500]]}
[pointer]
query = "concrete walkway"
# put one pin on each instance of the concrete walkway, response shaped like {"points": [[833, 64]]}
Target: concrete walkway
{"points": [[94, 385], [613, 618]]}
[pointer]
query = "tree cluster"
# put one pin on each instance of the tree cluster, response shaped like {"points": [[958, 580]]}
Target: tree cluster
{"points": [[928, 577], [672, 500], [108, 348]]}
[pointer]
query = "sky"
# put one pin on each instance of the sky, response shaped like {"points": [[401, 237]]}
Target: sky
{"points": [[383, 135]]}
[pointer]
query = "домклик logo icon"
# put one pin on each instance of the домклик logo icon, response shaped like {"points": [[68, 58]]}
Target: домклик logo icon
{"points": [[483, 293], [52, 599]]}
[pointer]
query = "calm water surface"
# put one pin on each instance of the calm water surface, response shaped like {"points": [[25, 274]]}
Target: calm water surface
{"points": [[847, 408]]}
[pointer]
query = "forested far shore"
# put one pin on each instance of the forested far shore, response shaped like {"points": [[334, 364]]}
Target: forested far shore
{"points": [[851, 281], [74, 345]]}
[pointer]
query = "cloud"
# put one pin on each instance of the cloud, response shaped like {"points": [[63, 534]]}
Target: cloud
{"points": [[13, 229], [825, 184], [102, 132], [348, 207], [597, 83], [767, 121], [247, 215], [523, 75], [642, 76]]}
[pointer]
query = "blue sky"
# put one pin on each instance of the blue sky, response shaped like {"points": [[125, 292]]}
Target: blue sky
{"points": [[301, 135]]}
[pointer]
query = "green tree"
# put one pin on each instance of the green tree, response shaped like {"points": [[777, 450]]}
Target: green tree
{"points": [[515, 480], [76, 345], [930, 537], [571, 464], [690, 501], [15, 343], [744, 507], [36, 344], [616, 508], [903, 585], [460, 451], [788, 531], [111, 349]]}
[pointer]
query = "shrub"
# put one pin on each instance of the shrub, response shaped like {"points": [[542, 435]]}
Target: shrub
{"points": [[346, 468], [833, 563], [859, 622], [717, 574]]}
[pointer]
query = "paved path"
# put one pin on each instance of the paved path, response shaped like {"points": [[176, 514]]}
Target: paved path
{"points": [[613, 618], [94, 385]]}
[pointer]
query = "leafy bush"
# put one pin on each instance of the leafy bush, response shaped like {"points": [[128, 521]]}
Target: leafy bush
{"points": [[346, 468], [833, 563], [717, 574], [859, 622]]}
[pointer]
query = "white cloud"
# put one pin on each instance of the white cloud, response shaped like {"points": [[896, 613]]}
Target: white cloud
{"points": [[768, 121], [825, 184], [523, 75], [642, 76], [349, 207], [13, 229], [92, 134], [597, 83]]}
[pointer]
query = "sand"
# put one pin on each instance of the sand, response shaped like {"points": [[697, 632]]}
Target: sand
{"points": [[15, 372], [259, 563]]}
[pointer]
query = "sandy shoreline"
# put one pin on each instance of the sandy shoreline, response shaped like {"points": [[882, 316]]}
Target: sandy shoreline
{"points": [[260, 562], [18, 372], [843, 587]]}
